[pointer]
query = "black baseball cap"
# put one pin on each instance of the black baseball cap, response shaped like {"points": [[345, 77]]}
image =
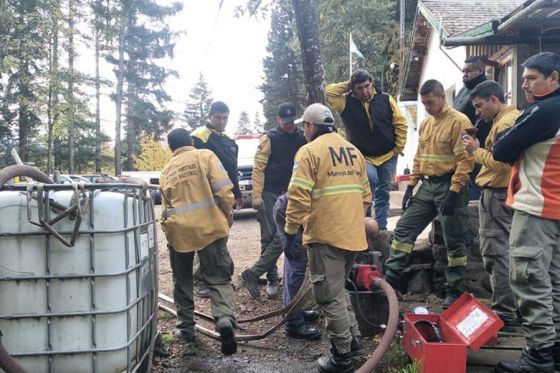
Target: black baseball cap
{"points": [[287, 112]]}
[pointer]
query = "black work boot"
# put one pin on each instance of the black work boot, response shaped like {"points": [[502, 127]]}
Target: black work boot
{"points": [[556, 355], [356, 346], [227, 337], [336, 362], [251, 282], [531, 361]]}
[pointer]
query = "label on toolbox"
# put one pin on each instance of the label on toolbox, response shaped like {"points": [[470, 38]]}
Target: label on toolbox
{"points": [[474, 320]]}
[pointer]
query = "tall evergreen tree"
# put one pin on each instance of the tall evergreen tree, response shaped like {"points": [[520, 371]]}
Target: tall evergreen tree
{"points": [[198, 105], [257, 123], [23, 55], [244, 126], [283, 76], [143, 38]]}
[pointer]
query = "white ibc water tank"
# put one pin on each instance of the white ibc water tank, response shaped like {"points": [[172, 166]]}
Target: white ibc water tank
{"points": [[88, 307]]}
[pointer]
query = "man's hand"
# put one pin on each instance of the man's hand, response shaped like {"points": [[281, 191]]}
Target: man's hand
{"points": [[470, 143], [448, 206], [238, 203], [289, 246], [257, 203], [406, 197]]}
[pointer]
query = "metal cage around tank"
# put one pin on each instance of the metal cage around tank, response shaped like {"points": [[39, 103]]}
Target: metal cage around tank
{"points": [[78, 277]]}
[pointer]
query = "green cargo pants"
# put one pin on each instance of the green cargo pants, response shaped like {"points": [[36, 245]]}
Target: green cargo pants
{"points": [[535, 276], [329, 268], [216, 269], [423, 207], [271, 245], [495, 223]]}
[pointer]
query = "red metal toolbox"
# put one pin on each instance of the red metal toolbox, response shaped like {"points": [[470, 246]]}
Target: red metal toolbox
{"points": [[467, 323]]}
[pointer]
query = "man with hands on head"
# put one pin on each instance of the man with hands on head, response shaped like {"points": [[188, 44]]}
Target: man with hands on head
{"points": [[374, 124]]}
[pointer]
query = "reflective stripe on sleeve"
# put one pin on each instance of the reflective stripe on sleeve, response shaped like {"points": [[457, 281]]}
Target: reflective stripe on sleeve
{"points": [[261, 158], [365, 184], [302, 183], [460, 261], [437, 158], [459, 150], [217, 185], [189, 207], [402, 246]]}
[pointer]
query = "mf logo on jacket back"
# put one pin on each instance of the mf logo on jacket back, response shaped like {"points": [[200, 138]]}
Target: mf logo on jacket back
{"points": [[346, 155]]}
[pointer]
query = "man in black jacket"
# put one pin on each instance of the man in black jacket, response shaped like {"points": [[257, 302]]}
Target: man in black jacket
{"points": [[213, 137], [473, 74], [533, 146], [274, 161]]}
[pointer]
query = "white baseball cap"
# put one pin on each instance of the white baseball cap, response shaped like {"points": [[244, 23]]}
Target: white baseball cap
{"points": [[317, 114]]}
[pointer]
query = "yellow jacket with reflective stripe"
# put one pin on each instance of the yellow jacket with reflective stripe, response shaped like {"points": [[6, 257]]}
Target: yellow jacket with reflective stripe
{"points": [[329, 194], [197, 199], [440, 149], [259, 165], [495, 174], [336, 98]]}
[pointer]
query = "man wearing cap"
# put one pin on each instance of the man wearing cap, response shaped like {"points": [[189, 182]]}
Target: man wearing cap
{"points": [[374, 124], [329, 195], [272, 170]]}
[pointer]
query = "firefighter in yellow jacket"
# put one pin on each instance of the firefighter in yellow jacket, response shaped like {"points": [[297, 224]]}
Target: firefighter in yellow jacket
{"points": [[329, 195], [443, 166], [197, 213]]}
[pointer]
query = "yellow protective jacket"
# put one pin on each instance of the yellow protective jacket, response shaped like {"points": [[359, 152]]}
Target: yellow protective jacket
{"points": [[259, 165], [440, 149], [329, 194], [495, 174], [336, 98], [197, 199]]}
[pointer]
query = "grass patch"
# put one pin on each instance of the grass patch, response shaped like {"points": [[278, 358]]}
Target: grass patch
{"points": [[189, 349], [397, 361], [164, 315], [414, 367], [167, 337]]}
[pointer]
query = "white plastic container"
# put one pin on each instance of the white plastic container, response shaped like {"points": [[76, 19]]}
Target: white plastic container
{"points": [[90, 307]]}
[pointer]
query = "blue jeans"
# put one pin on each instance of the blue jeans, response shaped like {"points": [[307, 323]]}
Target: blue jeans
{"points": [[380, 178]]}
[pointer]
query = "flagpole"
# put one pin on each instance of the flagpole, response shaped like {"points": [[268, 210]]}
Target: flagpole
{"points": [[350, 52]]}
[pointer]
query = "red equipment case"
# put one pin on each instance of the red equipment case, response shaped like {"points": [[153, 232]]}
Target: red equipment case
{"points": [[467, 323]]}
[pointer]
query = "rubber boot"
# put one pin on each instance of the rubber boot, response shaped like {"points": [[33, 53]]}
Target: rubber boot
{"points": [[336, 362], [531, 361], [356, 347]]}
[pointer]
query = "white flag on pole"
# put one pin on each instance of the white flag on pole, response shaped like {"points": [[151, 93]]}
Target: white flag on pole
{"points": [[354, 48]]}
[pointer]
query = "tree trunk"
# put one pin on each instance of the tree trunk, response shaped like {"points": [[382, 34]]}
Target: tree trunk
{"points": [[71, 102], [308, 34], [52, 110], [119, 95], [130, 131], [97, 102]]}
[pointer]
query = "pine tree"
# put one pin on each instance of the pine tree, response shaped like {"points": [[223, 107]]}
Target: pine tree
{"points": [[144, 38], [198, 105], [283, 76], [244, 126], [257, 123]]}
